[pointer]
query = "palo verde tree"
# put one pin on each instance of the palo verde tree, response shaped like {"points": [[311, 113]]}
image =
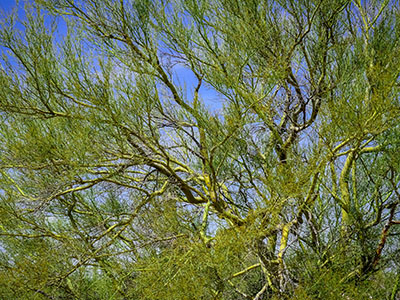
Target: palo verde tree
{"points": [[208, 149]]}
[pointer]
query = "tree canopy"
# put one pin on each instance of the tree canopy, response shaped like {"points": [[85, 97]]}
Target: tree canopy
{"points": [[200, 149]]}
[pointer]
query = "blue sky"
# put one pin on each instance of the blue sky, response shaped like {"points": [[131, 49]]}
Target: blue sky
{"points": [[7, 5]]}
